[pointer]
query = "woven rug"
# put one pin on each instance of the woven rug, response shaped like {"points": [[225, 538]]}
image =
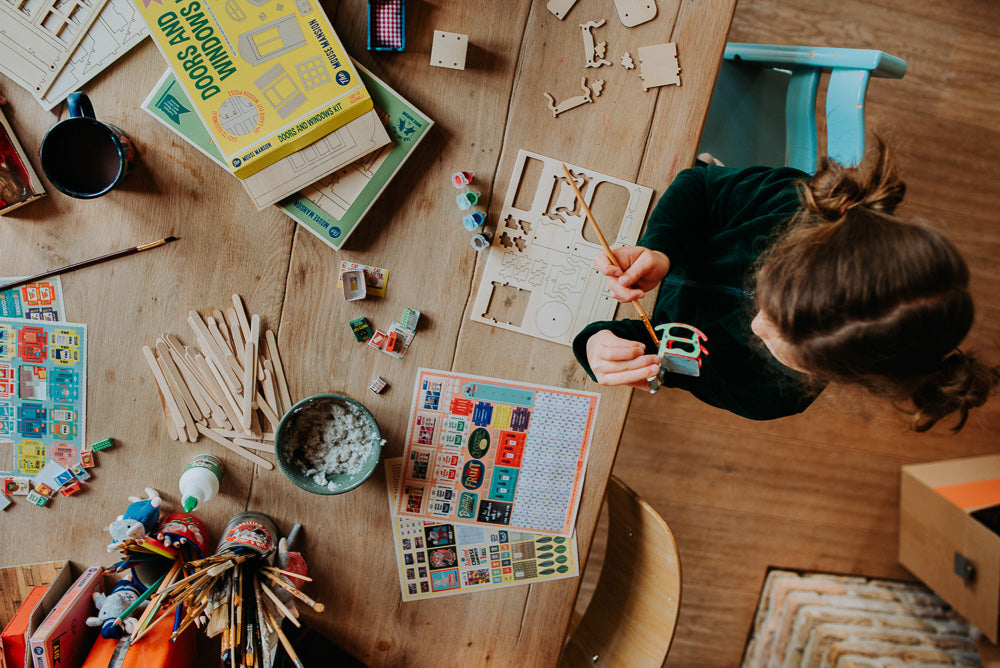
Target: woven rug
{"points": [[819, 620]]}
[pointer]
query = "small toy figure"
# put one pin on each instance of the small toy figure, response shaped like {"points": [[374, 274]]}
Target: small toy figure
{"points": [[679, 353], [110, 606], [139, 519]]}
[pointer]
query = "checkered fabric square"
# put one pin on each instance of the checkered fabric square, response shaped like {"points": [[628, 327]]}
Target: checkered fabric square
{"points": [[389, 23]]}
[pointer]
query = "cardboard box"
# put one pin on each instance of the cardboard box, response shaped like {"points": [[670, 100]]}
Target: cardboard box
{"points": [[19, 184], [63, 638], [944, 537], [20, 613], [264, 83]]}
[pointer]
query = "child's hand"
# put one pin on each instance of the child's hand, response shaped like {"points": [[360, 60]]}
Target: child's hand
{"points": [[644, 269], [617, 361]]}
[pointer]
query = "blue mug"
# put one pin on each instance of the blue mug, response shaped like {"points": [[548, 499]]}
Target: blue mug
{"points": [[84, 157]]}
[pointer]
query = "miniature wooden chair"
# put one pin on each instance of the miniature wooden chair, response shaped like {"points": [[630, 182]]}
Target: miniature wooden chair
{"points": [[763, 109], [630, 620]]}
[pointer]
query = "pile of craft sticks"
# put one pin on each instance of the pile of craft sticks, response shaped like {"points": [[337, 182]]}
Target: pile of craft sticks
{"points": [[230, 387]]}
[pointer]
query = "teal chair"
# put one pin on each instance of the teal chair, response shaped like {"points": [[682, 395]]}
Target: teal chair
{"points": [[763, 109]]}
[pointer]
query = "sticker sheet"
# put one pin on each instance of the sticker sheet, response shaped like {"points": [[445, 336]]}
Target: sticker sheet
{"points": [[436, 559], [43, 384], [41, 300], [495, 453]]}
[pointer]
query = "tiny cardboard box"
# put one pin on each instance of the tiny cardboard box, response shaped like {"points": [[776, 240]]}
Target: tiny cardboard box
{"points": [[948, 534]]}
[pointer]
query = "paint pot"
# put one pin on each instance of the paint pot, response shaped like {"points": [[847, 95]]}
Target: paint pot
{"points": [[184, 529], [249, 532]]}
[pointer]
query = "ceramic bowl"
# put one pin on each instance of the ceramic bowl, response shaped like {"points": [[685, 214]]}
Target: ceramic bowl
{"points": [[302, 425]]}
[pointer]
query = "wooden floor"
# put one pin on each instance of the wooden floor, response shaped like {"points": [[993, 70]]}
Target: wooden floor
{"points": [[819, 491]]}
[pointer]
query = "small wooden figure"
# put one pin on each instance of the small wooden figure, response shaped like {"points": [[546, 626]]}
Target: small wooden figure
{"points": [[658, 66], [680, 352], [635, 12], [449, 50], [593, 51]]}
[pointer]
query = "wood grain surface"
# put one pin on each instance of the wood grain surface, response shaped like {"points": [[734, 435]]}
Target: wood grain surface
{"points": [[517, 52]]}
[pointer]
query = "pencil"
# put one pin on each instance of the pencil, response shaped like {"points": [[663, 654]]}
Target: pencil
{"points": [[87, 263], [608, 252]]}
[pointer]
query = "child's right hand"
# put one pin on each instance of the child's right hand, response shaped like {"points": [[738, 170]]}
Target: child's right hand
{"points": [[644, 269], [618, 361]]}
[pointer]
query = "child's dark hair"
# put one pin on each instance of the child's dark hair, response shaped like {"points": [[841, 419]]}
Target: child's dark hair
{"points": [[868, 299]]}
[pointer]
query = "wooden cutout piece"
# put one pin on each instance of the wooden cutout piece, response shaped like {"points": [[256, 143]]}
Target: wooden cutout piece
{"points": [[594, 52], [574, 102], [635, 12], [449, 50], [658, 65], [560, 8]]}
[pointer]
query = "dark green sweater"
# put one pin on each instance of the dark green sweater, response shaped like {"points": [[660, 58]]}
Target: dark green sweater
{"points": [[713, 223]]}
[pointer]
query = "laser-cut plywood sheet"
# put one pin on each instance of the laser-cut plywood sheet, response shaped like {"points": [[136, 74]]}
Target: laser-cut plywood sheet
{"points": [[540, 277], [37, 38], [117, 29]]}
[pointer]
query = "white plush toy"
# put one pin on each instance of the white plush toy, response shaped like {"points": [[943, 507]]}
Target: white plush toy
{"points": [[139, 519], [110, 606]]}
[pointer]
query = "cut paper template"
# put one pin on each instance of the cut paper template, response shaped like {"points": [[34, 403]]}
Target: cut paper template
{"points": [[540, 277]]}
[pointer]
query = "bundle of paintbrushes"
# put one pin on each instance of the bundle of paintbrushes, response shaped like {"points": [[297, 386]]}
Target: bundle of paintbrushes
{"points": [[230, 388], [237, 594]]}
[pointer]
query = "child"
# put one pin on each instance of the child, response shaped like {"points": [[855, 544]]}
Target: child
{"points": [[796, 282]]}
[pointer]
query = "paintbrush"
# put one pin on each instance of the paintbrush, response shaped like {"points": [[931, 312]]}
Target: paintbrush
{"points": [[608, 252], [88, 263]]}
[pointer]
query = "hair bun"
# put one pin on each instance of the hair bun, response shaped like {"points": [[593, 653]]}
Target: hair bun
{"points": [[961, 384], [874, 184]]}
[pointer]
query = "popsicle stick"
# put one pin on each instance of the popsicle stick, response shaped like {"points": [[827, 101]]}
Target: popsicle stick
{"points": [[168, 398], [210, 348], [229, 404], [279, 371], [241, 315], [253, 445], [192, 383], [268, 390], [235, 331], [250, 372], [174, 376], [225, 442], [227, 351], [266, 437]]}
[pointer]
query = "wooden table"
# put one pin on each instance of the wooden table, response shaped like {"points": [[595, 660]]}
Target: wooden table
{"points": [[484, 114]]}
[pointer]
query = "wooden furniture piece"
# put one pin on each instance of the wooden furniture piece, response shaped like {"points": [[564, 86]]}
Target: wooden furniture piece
{"points": [[483, 116], [632, 614], [763, 109]]}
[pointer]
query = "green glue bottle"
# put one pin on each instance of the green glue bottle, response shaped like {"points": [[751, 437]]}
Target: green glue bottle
{"points": [[200, 481]]}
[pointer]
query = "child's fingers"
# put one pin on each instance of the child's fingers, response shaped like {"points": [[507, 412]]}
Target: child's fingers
{"points": [[628, 376], [606, 267], [622, 293]]}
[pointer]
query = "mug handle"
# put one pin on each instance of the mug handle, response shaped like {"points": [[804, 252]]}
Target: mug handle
{"points": [[79, 105]]}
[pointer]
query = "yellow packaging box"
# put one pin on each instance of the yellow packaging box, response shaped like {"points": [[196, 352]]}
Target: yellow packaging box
{"points": [[266, 79]]}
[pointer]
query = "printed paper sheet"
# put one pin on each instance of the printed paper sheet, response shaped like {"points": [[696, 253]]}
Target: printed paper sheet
{"points": [[495, 453], [436, 559], [41, 300], [43, 384]]}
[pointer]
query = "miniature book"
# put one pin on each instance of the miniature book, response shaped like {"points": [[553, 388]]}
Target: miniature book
{"points": [[18, 182], [265, 81]]}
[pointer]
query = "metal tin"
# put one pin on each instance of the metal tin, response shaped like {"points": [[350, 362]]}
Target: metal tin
{"points": [[249, 531]]}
